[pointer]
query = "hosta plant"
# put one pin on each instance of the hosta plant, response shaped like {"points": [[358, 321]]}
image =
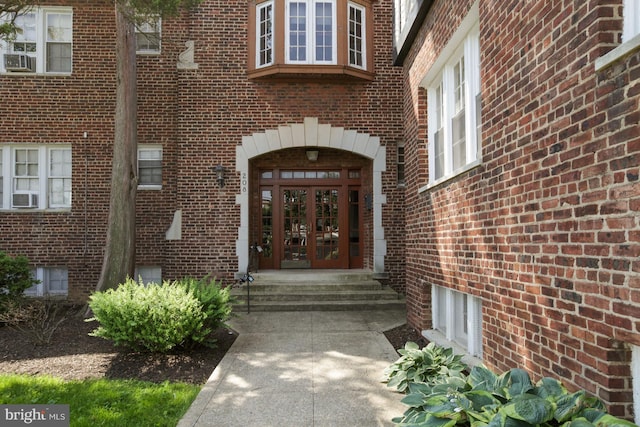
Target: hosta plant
{"points": [[507, 400], [429, 365]]}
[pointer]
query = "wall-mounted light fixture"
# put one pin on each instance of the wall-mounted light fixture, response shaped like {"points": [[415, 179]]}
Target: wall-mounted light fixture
{"points": [[312, 155], [220, 170]]}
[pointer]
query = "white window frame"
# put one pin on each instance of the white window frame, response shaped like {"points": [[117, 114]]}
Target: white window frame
{"points": [[268, 35], [463, 49], [362, 37], [635, 381], [149, 149], [42, 41], [631, 17], [9, 177], [147, 29], [457, 320], [149, 274], [55, 178], [46, 276], [310, 27]]}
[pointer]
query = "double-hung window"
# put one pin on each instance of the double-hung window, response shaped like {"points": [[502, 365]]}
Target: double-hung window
{"points": [[150, 167], [59, 176], [148, 36], [311, 31], [453, 105], [43, 42], [458, 317], [35, 177]]}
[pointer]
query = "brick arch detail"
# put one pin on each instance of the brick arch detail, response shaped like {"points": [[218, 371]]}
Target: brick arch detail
{"points": [[311, 134]]}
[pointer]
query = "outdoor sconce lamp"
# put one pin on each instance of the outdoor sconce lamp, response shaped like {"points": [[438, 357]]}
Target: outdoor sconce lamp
{"points": [[312, 155], [220, 170]]}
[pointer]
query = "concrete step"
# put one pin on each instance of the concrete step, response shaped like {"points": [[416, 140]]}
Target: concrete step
{"points": [[384, 294], [322, 305], [297, 290], [316, 285]]}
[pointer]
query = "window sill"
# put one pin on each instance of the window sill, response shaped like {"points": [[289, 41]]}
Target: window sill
{"points": [[33, 74], [447, 178], [150, 187], [438, 338], [289, 71], [34, 210], [624, 49]]}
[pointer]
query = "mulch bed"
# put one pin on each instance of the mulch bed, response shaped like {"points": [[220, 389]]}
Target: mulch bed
{"points": [[74, 355]]}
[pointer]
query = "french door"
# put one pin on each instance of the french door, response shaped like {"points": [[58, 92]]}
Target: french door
{"points": [[311, 227]]}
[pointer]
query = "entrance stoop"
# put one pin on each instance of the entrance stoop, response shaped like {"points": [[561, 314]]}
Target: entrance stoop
{"points": [[316, 290]]}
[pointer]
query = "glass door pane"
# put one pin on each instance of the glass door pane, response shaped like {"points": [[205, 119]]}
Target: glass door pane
{"points": [[326, 224], [295, 229]]}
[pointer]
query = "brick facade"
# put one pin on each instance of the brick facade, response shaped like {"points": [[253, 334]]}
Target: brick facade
{"points": [[545, 230], [200, 117]]}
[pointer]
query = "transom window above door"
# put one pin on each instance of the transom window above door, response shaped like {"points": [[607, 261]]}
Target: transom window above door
{"points": [[311, 37]]}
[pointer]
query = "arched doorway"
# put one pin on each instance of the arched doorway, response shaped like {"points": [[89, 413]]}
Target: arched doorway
{"points": [[310, 214], [309, 136]]}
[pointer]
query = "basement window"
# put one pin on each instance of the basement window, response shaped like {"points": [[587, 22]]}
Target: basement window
{"points": [[54, 281], [457, 321]]}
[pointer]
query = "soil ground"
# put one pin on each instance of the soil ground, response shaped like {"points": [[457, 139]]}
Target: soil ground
{"points": [[73, 354]]}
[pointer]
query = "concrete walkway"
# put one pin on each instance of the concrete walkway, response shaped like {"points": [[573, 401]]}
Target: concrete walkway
{"points": [[303, 369]]}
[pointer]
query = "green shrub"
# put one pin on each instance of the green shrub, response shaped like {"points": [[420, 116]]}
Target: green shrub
{"points": [[154, 318], [216, 305], [429, 365], [15, 278], [510, 399]]}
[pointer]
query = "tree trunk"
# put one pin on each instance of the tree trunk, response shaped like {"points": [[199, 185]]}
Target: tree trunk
{"points": [[120, 250]]}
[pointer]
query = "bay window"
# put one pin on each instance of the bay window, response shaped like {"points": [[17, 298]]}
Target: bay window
{"points": [[317, 37]]}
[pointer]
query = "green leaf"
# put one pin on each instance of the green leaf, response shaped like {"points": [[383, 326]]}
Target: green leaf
{"points": [[482, 378], [480, 399], [414, 400], [530, 408], [578, 422], [608, 420], [519, 382], [550, 387], [568, 406]]}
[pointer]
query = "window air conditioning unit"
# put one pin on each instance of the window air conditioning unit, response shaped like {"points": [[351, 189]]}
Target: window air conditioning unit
{"points": [[25, 200], [19, 62]]}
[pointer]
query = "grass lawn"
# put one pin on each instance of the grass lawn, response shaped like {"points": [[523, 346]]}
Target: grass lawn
{"points": [[102, 402]]}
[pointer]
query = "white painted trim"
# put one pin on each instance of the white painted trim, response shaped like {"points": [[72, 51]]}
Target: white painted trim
{"points": [[612, 56], [312, 134]]}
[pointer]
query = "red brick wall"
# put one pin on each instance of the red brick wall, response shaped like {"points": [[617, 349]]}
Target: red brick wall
{"points": [[546, 230], [199, 117]]}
